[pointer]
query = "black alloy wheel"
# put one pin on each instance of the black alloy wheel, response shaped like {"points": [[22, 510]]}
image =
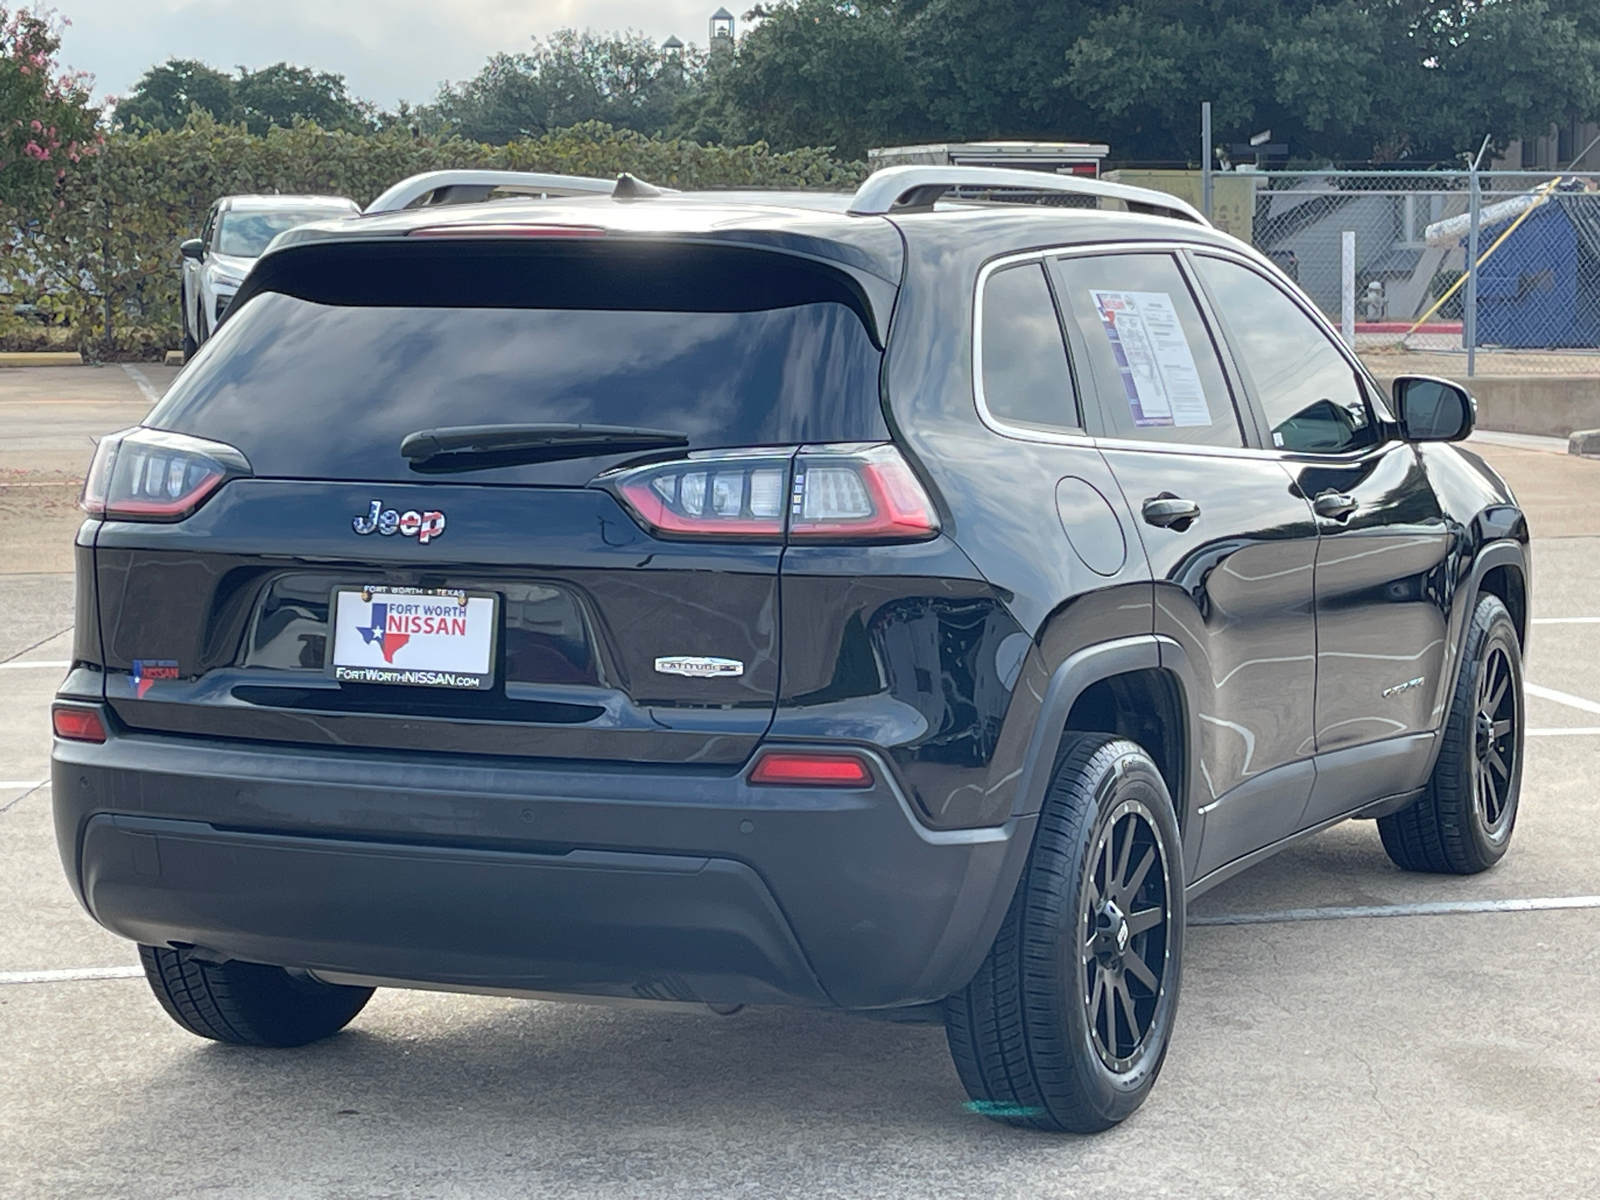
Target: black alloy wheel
{"points": [[1495, 742], [1066, 1024], [1463, 821], [1124, 933]]}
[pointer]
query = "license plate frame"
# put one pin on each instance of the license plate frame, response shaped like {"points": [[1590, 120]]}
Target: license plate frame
{"points": [[436, 658]]}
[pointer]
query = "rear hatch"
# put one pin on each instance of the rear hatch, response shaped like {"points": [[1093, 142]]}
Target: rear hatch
{"points": [[416, 553]]}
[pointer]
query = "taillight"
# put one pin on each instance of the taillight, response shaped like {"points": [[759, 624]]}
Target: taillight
{"points": [[710, 495], [151, 475], [819, 494], [77, 724], [866, 494], [785, 768]]}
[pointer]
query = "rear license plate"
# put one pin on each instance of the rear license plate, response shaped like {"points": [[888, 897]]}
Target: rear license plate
{"points": [[421, 637]]}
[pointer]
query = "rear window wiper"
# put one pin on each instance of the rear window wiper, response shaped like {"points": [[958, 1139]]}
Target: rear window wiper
{"points": [[479, 447]]}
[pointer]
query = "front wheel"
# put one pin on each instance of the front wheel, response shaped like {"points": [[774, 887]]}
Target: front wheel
{"points": [[248, 1004], [1067, 1022], [1463, 822]]}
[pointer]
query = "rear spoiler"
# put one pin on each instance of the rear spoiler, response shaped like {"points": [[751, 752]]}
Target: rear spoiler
{"points": [[705, 273]]}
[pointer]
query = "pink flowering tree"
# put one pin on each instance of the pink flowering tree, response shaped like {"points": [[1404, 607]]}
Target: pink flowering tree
{"points": [[47, 123]]}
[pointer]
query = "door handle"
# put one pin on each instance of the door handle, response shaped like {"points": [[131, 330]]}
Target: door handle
{"points": [[1170, 512], [1336, 506]]}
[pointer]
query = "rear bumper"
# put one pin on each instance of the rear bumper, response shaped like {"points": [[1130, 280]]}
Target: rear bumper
{"points": [[663, 884]]}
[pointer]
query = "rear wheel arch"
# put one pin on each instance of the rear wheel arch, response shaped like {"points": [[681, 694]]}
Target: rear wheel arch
{"points": [[1131, 687], [1146, 706], [1500, 569], [1094, 687], [1508, 581]]}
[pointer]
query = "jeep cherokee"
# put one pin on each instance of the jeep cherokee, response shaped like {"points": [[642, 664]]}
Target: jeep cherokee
{"points": [[901, 603]]}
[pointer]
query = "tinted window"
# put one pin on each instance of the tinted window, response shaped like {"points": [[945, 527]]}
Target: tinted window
{"points": [[310, 390], [1155, 369], [246, 234], [1026, 379], [1311, 395]]}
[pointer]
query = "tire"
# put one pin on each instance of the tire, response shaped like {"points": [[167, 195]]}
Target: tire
{"points": [[1463, 821], [248, 1004], [1041, 1037], [190, 346]]}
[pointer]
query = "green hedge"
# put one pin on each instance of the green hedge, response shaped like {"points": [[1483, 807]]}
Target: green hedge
{"points": [[105, 261]]}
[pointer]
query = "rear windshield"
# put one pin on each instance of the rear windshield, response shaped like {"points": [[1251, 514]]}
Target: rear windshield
{"points": [[318, 391]]}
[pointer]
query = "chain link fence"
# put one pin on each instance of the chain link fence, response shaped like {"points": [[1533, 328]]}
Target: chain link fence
{"points": [[1406, 296]]}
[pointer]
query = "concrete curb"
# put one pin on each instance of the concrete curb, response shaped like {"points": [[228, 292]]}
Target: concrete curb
{"points": [[1541, 405], [1584, 442], [40, 358], [66, 358]]}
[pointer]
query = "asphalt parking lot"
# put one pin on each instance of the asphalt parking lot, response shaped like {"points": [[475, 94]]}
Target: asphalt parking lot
{"points": [[1451, 1050]]}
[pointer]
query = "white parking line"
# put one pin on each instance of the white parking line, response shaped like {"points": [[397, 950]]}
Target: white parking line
{"points": [[71, 975], [1436, 908], [53, 665], [143, 382], [1567, 698], [1566, 620], [30, 784], [1567, 731]]}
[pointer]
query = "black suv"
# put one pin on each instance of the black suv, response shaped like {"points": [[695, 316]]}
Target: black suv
{"points": [[902, 604]]}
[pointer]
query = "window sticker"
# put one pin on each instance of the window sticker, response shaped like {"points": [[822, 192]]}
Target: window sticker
{"points": [[1153, 357]]}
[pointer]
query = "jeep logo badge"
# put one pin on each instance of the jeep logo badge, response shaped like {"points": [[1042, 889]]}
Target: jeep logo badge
{"points": [[386, 522]]}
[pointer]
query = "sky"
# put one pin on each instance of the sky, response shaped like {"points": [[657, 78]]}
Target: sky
{"points": [[388, 50]]}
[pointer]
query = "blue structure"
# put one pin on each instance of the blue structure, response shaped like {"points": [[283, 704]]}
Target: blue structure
{"points": [[1541, 289]]}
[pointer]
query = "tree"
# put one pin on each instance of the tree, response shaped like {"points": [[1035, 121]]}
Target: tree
{"points": [[1313, 73], [165, 95], [280, 95], [994, 69], [46, 121], [1346, 80], [821, 73], [1420, 79], [1510, 69], [621, 79], [273, 97]]}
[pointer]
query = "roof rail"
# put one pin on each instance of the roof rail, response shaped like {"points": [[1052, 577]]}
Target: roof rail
{"points": [[897, 188], [474, 187]]}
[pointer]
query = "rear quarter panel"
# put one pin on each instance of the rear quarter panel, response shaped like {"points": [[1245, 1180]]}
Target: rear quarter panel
{"points": [[998, 493]]}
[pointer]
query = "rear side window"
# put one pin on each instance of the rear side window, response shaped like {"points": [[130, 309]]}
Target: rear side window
{"points": [[1155, 369], [1311, 396], [1026, 379], [327, 391]]}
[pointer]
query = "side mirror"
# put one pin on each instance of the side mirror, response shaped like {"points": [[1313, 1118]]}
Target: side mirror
{"points": [[1433, 410], [193, 248]]}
